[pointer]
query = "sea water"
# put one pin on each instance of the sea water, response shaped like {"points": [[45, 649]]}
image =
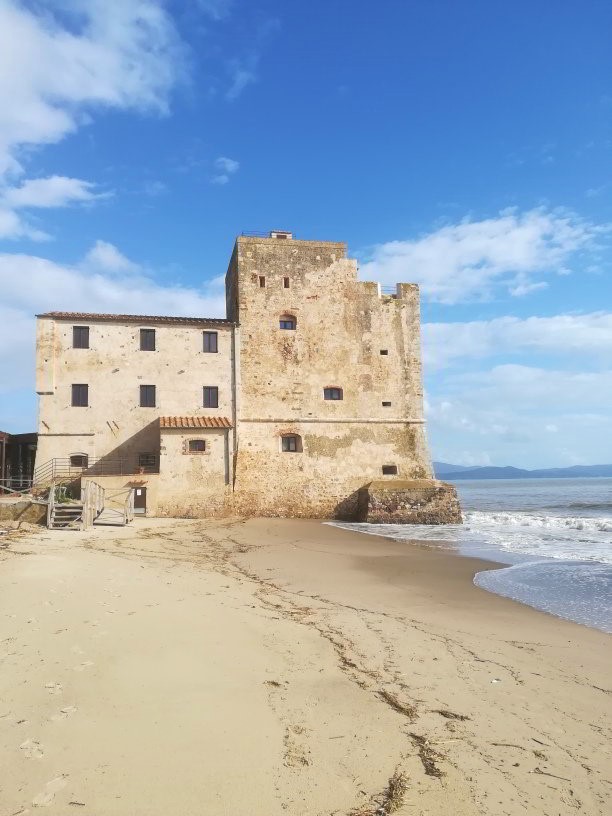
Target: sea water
{"points": [[553, 535]]}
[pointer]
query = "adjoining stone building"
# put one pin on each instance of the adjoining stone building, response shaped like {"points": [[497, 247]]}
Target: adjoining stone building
{"points": [[309, 390]]}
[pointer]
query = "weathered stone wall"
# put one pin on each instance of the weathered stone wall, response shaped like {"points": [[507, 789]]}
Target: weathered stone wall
{"points": [[419, 501], [342, 327]]}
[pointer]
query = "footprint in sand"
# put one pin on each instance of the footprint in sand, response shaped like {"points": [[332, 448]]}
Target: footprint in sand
{"points": [[54, 688], [32, 749], [63, 713], [82, 666], [46, 796]]}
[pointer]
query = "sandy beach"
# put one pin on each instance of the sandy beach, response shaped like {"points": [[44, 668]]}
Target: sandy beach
{"points": [[286, 667]]}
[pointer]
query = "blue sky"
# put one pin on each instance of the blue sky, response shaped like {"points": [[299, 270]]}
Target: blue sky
{"points": [[463, 146]]}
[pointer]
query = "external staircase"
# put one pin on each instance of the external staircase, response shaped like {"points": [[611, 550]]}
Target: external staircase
{"points": [[95, 507], [53, 481], [66, 515]]}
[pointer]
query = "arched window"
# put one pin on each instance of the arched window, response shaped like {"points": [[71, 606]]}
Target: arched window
{"points": [[291, 443], [333, 393], [79, 460], [288, 322], [197, 446]]}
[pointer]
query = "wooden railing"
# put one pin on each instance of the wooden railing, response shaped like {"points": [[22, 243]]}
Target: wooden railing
{"points": [[92, 496], [129, 507], [51, 504]]}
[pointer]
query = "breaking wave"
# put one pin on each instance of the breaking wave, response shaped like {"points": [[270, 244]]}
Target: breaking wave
{"points": [[601, 524]]}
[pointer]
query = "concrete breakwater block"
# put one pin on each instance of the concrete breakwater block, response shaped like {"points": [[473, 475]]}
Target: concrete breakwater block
{"points": [[414, 501]]}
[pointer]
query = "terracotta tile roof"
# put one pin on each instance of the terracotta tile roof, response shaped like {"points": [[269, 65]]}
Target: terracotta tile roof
{"points": [[184, 321], [194, 422]]}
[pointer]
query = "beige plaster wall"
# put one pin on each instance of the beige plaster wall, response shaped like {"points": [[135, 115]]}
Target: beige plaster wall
{"points": [[195, 485], [114, 425]]}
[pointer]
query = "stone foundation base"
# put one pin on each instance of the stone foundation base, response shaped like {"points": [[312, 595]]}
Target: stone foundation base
{"points": [[418, 501]]}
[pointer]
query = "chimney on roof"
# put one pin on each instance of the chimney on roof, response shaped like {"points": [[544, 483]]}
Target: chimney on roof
{"points": [[280, 234]]}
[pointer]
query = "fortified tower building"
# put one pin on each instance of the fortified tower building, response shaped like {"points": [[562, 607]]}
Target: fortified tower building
{"points": [[307, 393]]}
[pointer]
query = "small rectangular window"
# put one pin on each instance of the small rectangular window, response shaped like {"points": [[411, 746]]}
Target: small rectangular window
{"points": [[211, 396], [389, 470], [80, 337], [286, 283], [148, 461], [332, 393], [384, 351], [287, 322], [197, 446], [147, 396], [262, 281], [210, 342], [80, 395], [386, 404], [290, 444], [147, 339]]}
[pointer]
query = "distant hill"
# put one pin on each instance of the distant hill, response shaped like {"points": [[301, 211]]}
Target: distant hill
{"points": [[446, 470], [445, 467]]}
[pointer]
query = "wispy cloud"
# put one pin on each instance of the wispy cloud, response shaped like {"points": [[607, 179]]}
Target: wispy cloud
{"points": [[243, 71], [224, 169], [42, 193], [446, 344], [471, 260]]}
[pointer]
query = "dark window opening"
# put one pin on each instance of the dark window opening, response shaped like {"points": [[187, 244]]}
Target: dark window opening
{"points": [[79, 460], [389, 470], [384, 351], [332, 393], [80, 337], [210, 342], [291, 444], [262, 281], [386, 404], [211, 396], [197, 446], [147, 339], [80, 395], [147, 461], [147, 396], [286, 283], [287, 322]]}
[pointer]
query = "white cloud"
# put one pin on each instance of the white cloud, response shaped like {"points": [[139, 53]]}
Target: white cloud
{"points": [[470, 260], [104, 281], [62, 60], [225, 168], [446, 343], [105, 257], [41, 193], [53, 191], [13, 226]]}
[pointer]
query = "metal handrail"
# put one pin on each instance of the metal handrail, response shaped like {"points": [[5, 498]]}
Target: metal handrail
{"points": [[101, 466]]}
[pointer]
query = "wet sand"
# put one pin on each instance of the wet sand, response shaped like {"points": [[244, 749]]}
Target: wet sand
{"points": [[287, 667]]}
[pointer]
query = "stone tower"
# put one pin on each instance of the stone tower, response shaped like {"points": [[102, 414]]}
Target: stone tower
{"points": [[328, 379]]}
